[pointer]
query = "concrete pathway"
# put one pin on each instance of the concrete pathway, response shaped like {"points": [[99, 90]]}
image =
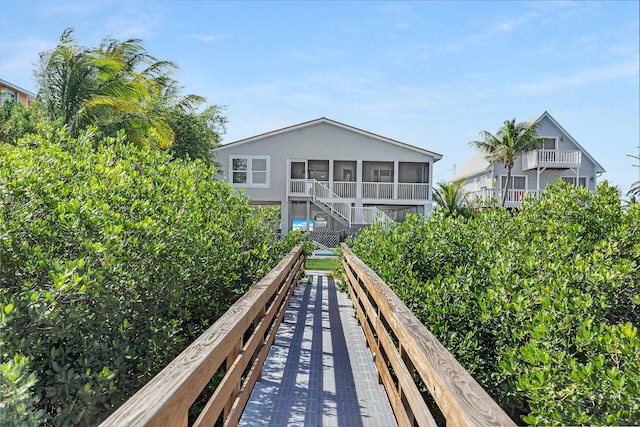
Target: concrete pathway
{"points": [[319, 371]]}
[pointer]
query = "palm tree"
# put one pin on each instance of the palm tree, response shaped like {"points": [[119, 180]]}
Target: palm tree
{"points": [[116, 86], [510, 142], [450, 197]]}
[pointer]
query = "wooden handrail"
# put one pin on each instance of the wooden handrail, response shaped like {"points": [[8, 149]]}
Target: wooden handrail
{"points": [[400, 341], [166, 399]]}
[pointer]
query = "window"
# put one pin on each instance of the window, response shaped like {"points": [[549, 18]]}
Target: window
{"points": [[582, 181], [250, 171], [8, 96], [516, 182], [548, 143]]}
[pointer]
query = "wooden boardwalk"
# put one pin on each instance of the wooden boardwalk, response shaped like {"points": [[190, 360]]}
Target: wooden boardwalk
{"points": [[319, 371]]}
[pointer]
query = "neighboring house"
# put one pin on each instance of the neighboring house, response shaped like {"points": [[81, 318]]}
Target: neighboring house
{"points": [[326, 175], [12, 93], [559, 157]]}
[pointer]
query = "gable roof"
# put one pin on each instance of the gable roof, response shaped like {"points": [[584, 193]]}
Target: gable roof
{"points": [[436, 156], [536, 119], [479, 163]]}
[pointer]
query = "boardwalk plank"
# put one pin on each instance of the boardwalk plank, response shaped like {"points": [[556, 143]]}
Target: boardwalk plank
{"points": [[319, 371]]}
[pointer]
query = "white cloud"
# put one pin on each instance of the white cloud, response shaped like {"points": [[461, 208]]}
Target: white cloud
{"points": [[586, 77], [209, 38], [493, 31]]}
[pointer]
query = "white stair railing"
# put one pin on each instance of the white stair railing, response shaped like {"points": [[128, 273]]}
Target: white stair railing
{"points": [[322, 194]]}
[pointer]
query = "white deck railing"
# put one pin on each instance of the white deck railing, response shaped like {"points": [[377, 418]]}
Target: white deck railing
{"points": [[370, 215], [409, 191], [299, 187], [493, 196], [552, 158], [377, 190], [345, 189], [368, 190]]}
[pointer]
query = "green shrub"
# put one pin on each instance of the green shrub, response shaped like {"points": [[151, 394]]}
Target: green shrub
{"points": [[541, 305], [114, 258]]}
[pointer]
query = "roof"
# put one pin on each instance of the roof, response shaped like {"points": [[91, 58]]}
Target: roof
{"points": [[435, 155], [11, 85], [599, 168], [479, 163]]}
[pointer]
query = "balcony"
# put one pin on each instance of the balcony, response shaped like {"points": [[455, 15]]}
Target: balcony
{"points": [[493, 197], [363, 190], [552, 159]]}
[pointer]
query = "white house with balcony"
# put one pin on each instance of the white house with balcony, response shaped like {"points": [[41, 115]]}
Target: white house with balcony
{"points": [[559, 156], [326, 175]]}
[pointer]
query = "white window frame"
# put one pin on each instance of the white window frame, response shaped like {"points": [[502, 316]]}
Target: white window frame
{"points": [[526, 183], [555, 142], [249, 172], [573, 179]]}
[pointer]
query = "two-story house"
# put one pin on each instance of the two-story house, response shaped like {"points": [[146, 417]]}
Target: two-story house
{"points": [[12, 93], [326, 175], [559, 156]]}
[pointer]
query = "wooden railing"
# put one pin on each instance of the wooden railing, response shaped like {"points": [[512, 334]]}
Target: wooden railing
{"points": [[403, 347], [237, 342]]}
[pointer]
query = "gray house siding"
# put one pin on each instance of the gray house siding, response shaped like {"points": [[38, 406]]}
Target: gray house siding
{"points": [[332, 153], [482, 177]]}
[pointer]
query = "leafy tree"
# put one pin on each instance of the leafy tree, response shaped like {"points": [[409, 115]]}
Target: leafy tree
{"points": [[450, 198], [17, 121], [196, 134], [510, 141]]}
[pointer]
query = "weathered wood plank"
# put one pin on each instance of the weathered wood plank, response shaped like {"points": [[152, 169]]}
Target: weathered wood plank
{"points": [[406, 385], [460, 398]]}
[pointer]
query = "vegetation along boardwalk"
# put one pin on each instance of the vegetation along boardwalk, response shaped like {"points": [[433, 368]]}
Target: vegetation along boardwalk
{"points": [[319, 371]]}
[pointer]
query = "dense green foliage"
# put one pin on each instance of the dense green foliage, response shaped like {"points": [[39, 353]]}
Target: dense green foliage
{"points": [[114, 258], [196, 134], [634, 191], [541, 305], [451, 198], [17, 121]]}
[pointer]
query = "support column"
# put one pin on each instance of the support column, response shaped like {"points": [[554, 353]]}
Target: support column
{"points": [[308, 215], [359, 182], [285, 215], [331, 175], [396, 174]]}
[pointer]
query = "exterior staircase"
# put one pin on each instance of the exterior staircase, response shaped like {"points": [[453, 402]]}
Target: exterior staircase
{"points": [[340, 209]]}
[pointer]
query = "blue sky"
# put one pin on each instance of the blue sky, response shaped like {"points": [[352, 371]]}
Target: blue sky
{"points": [[431, 74]]}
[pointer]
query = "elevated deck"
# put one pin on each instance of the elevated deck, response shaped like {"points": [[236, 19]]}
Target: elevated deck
{"points": [[319, 371]]}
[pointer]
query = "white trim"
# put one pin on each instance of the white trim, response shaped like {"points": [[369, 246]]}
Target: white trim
{"points": [[576, 179], [250, 171], [526, 181], [556, 139]]}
